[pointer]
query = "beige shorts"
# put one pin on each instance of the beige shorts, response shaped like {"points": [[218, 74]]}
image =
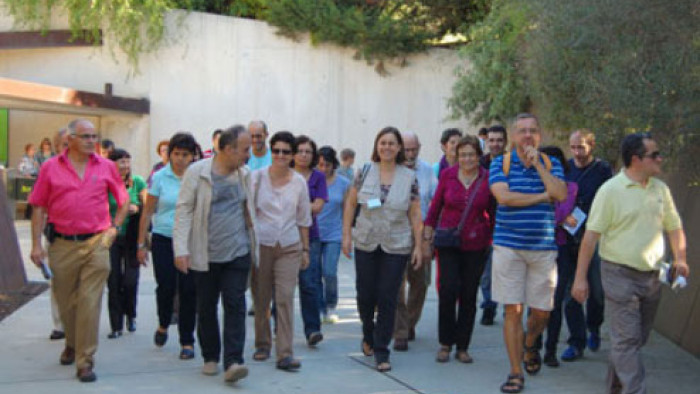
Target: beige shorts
{"points": [[524, 277]]}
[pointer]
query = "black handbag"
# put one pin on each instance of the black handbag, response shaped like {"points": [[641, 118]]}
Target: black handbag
{"points": [[452, 237], [365, 170]]}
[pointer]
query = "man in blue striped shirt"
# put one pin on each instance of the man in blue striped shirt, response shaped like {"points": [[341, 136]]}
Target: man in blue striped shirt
{"points": [[524, 251]]}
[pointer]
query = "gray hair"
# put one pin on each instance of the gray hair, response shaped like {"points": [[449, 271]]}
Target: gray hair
{"points": [[73, 125], [409, 134], [258, 123]]}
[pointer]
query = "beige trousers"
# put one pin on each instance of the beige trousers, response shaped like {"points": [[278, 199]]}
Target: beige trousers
{"points": [[80, 273], [276, 277]]}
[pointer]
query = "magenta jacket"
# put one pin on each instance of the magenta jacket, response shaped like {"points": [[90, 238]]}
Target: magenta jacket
{"points": [[563, 209], [450, 201]]}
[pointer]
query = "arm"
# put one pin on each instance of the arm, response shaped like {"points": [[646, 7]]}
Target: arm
{"points": [[579, 290], [505, 197], [563, 209], [317, 206], [415, 217], [678, 245], [556, 188], [38, 221], [348, 214], [304, 236], [149, 207]]}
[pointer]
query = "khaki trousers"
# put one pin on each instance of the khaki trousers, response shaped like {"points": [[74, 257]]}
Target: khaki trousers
{"points": [[410, 308], [276, 277], [80, 271]]}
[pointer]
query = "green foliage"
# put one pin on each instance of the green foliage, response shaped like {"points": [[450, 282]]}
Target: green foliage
{"points": [[378, 29], [611, 66], [241, 8], [136, 26]]}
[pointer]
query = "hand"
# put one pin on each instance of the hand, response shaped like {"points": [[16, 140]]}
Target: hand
{"points": [[142, 256], [182, 263], [347, 246], [133, 208], [37, 255], [571, 221], [416, 258], [108, 237], [579, 290], [304, 260], [532, 156], [680, 268]]}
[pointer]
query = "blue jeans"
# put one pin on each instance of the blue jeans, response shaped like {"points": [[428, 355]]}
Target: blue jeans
{"points": [[485, 284], [328, 296], [310, 288]]}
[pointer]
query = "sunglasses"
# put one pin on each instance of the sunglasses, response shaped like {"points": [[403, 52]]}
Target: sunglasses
{"points": [[653, 155], [276, 151]]}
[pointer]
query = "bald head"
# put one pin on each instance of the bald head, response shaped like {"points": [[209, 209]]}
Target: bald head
{"points": [[258, 133], [411, 146]]}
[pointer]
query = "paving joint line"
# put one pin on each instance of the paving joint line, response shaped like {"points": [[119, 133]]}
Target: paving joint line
{"points": [[387, 375]]}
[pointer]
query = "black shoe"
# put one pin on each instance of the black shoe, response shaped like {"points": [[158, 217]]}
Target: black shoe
{"points": [[550, 360], [131, 325], [251, 311], [159, 338], [314, 338], [86, 375], [56, 335], [114, 334], [288, 364], [411, 334], [487, 316]]}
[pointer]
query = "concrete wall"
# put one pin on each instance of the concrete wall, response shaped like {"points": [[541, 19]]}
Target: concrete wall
{"points": [[225, 70]]}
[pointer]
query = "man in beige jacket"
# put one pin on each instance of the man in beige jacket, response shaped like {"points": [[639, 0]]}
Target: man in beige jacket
{"points": [[213, 238]]}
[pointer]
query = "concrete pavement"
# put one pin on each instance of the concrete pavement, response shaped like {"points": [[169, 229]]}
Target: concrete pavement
{"points": [[132, 364]]}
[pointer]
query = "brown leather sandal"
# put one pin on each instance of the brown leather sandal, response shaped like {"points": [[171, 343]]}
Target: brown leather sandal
{"points": [[443, 355]]}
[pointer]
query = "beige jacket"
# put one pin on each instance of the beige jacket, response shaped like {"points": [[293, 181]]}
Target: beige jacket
{"points": [[190, 233]]}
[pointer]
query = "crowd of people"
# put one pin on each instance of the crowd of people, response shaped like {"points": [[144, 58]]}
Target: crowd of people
{"points": [[514, 219]]}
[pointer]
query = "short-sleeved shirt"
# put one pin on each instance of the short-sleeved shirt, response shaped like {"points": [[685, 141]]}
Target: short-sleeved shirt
{"points": [[138, 184], [330, 219], [258, 163], [427, 184], [228, 238], [346, 172], [589, 179], [317, 189], [78, 205], [631, 220], [524, 228], [280, 211], [166, 186]]}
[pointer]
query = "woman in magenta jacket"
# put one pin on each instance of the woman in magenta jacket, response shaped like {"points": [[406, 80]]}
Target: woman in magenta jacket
{"points": [[461, 267]]}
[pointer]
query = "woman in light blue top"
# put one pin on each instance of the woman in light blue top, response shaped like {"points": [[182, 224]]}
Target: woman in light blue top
{"points": [[330, 225], [160, 205]]}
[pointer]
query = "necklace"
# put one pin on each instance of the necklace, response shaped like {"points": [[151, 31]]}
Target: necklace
{"points": [[466, 181]]}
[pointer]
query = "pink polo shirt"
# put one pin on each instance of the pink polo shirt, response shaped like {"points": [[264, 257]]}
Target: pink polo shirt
{"points": [[74, 205]]}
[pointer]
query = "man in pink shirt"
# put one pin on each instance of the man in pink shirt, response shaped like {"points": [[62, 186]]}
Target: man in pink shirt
{"points": [[72, 189]]}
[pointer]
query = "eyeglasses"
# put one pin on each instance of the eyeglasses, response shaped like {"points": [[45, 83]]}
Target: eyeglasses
{"points": [[654, 155], [305, 152], [285, 152], [87, 136]]}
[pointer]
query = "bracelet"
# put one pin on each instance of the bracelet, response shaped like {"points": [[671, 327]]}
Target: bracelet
{"points": [[141, 246]]}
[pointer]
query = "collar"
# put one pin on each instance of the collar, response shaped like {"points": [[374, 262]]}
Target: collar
{"points": [[91, 158], [629, 182]]}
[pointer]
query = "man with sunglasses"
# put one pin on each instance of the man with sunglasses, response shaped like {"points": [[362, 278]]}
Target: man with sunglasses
{"points": [[259, 152], [629, 215], [72, 189]]}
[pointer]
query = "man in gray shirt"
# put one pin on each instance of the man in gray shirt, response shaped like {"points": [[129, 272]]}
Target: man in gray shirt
{"points": [[213, 238]]}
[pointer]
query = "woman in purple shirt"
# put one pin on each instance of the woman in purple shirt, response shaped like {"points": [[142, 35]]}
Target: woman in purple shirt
{"points": [[305, 160]]}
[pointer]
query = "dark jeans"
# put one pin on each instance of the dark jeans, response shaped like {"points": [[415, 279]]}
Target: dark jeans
{"points": [[485, 284], [330, 254], [122, 283], [595, 305], [310, 290], [228, 282], [378, 276], [169, 280], [460, 272]]}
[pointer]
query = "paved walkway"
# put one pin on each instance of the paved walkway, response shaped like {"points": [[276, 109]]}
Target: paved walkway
{"points": [[132, 364]]}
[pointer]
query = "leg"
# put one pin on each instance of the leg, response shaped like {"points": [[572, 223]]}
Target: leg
{"points": [[93, 275], [166, 278], [572, 309], [114, 285], [187, 315], [471, 269], [55, 314], [264, 282], [391, 271], [309, 289], [209, 286], [233, 284], [450, 282], [286, 271], [418, 287], [401, 323], [554, 325], [595, 305], [513, 336], [488, 305], [131, 284], [331, 255], [65, 264], [366, 271]]}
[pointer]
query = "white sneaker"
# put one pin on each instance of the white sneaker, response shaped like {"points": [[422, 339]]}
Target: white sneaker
{"points": [[210, 368], [235, 372], [332, 317]]}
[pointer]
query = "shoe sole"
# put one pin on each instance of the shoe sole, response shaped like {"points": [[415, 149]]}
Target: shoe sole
{"points": [[315, 339], [235, 375]]}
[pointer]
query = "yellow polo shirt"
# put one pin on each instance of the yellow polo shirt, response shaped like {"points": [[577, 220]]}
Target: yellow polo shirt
{"points": [[631, 220]]}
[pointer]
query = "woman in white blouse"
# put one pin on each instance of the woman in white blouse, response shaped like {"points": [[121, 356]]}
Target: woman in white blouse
{"points": [[283, 213]]}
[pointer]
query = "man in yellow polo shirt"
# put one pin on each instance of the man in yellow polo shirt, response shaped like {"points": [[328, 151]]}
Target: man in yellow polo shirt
{"points": [[630, 212]]}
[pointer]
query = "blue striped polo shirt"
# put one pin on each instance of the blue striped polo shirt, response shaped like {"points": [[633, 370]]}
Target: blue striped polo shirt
{"points": [[525, 228]]}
